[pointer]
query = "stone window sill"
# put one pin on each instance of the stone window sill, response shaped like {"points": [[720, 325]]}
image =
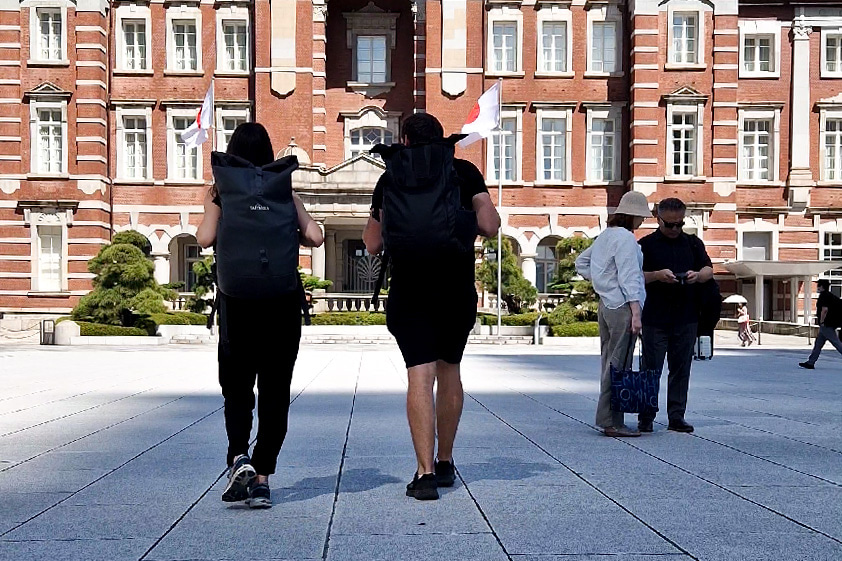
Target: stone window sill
{"points": [[545, 74], [36, 63], [47, 294], [370, 90], [47, 176], [124, 72], [685, 179], [685, 67]]}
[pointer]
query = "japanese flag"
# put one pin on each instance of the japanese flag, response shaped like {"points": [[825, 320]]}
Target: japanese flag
{"points": [[484, 117], [197, 133]]}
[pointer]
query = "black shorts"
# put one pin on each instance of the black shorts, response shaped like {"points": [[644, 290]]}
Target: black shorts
{"points": [[431, 325]]}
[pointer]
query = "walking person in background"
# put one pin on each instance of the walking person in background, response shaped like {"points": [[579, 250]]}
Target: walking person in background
{"points": [[258, 336], [830, 318], [673, 262], [744, 331], [614, 264]]}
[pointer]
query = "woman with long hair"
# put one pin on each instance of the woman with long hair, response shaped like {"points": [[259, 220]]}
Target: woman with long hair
{"points": [[258, 341], [614, 264], [744, 331]]}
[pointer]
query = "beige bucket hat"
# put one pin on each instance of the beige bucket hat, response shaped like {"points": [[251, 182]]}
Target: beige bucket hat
{"points": [[634, 203]]}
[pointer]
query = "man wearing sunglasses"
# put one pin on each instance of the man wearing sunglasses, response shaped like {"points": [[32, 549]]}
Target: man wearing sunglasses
{"points": [[673, 264]]}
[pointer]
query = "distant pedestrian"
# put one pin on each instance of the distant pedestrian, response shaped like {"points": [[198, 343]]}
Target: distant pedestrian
{"points": [[673, 262], [744, 331], [829, 312], [426, 212], [260, 301], [614, 264]]}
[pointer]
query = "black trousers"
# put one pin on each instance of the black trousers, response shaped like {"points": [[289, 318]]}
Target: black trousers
{"points": [[258, 341], [675, 344]]}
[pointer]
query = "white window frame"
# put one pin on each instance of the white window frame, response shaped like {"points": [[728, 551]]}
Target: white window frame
{"points": [[132, 12], [555, 14], [363, 147], [35, 31], [223, 113], [508, 112], [371, 23], [828, 32], [190, 114], [759, 29], [697, 109], [122, 113], [773, 115], [834, 114], [183, 13], [834, 276], [542, 113], [34, 119], [694, 8], [231, 14], [505, 14], [369, 117], [50, 217], [758, 225], [611, 112], [608, 13]]}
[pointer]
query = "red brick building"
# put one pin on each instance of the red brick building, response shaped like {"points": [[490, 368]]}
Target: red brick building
{"points": [[733, 106]]}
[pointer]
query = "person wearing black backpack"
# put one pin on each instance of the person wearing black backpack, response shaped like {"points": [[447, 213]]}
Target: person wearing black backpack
{"points": [[426, 212], [829, 314], [255, 223]]}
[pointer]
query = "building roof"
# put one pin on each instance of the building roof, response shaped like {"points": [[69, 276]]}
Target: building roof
{"points": [[783, 269]]}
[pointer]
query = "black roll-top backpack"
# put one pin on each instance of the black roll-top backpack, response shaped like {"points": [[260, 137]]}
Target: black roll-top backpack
{"points": [[422, 210], [257, 235]]}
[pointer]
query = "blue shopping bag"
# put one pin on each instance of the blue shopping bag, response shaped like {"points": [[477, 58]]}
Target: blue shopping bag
{"points": [[634, 391]]}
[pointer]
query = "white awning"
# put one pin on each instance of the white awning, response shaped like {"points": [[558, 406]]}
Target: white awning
{"points": [[780, 269]]}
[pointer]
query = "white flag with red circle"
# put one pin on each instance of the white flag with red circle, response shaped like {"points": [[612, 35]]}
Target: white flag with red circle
{"points": [[197, 133], [484, 117]]}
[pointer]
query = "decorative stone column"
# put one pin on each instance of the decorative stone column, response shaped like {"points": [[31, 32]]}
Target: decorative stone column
{"points": [[530, 272], [800, 174], [317, 259], [282, 49], [162, 267], [454, 46], [330, 258]]}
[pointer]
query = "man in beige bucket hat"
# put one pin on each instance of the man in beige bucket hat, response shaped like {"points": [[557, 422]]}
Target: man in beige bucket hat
{"points": [[614, 264]]}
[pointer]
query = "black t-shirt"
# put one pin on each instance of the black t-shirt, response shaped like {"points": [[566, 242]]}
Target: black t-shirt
{"points": [[831, 302], [453, 268], [672, 304]]}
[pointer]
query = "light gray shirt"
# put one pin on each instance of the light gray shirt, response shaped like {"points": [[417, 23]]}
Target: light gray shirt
{"points": [[614, 264]]}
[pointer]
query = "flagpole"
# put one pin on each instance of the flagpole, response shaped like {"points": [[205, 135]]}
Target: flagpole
{"points": [[499, 207], [213, 112]]}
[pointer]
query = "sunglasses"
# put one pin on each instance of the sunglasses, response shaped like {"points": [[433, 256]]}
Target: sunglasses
{"points": [[672, 225]]}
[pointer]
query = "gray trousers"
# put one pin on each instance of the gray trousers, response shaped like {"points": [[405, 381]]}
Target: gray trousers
{"points": [[614, 339], [675, 344], [825, 334]]}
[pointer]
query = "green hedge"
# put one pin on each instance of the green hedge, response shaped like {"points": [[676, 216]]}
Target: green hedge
{"points": [[527, 319], [579, 329], [349, 318], [179, 318], [87, 329]]}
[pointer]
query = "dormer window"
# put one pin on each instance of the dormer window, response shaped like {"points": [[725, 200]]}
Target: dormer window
{"points": [[371, 36]]}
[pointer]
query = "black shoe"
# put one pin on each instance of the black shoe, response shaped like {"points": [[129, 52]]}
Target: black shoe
{"points": [[240, 477], [423, 488], [806, 365], [259, 496], [680, 425], [445, 474], [646, 426]]}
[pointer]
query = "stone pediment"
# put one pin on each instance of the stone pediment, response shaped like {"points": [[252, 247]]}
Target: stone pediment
{"points": [[47, 90], [686, 94], [355, 176]]}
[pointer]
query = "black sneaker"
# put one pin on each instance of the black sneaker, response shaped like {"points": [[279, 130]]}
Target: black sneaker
{"points": [[259, 496], [806, 365], [423, 488], [646, 425], [240, 477], [680, 425], [445, 474]]}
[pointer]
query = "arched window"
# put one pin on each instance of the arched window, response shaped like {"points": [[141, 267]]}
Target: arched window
{"points": [[365, 138]]}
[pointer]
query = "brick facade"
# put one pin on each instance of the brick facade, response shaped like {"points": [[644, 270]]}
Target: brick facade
{"points": [[301, 82]]}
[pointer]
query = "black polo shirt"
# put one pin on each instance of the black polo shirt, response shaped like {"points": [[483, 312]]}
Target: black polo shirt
{"points": [[831, 302], [672, 304]]}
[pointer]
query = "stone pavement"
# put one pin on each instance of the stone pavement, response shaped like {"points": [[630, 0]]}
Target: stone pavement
{"points": [[116, 455]]}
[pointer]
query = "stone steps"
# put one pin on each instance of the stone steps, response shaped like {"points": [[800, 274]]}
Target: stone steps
{"points": [[368, 339]]}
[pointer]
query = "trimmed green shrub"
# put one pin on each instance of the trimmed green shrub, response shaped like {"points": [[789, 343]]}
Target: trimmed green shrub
{"points": [[62, 318], [179, 318], [135, 238], [562, 314], [518, 293], [146, 324], [87, 329], [311, 282], [521, 320], [578, 329], [349, 318], [148, 301]]}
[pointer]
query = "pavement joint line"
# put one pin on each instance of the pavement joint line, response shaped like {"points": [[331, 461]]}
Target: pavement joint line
{"points": [[784, 417], [708, 481], [221, 475], [53, 449], [484, 516], [2, 399], [326, 548], [103, 476], [97, 406], [587, 482]]}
